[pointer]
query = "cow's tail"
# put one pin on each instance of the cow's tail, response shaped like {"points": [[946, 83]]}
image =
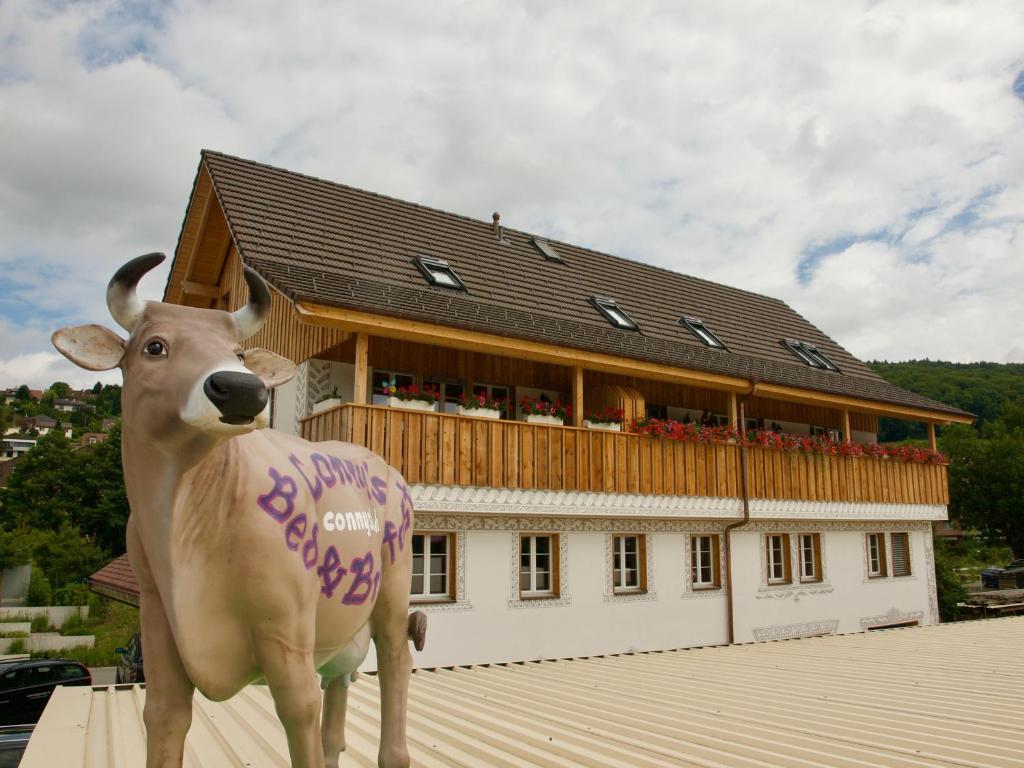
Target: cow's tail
{"points": [[418, 629]]}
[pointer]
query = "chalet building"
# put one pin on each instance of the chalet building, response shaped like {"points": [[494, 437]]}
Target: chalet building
{"points": [[541, 540]]}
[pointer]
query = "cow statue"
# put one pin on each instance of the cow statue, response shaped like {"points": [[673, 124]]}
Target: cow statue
{"points": [[260, 557]]}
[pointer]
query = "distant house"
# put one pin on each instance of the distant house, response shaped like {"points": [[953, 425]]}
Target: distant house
{"points": [[67, 428], [93, 438], [107, 424], [69, 406], [11, 395], [42, 424], [15, 447]]}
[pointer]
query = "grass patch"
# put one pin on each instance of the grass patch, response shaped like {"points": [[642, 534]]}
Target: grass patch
{"points": [[41, 624], [112, 623], [18, 646]]}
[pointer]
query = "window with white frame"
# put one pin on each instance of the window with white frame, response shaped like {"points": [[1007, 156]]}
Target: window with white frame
{"points": [[629, 566], [382, 381], [704, 562], [777, 558], [876, 555], [439, 272], [538, 565], [432, 565], [702, 332], [900, 553], [810, 557], [613, 313], [449, 393]]}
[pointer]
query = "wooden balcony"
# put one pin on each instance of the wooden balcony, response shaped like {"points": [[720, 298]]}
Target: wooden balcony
{"points": [[442, 449]]}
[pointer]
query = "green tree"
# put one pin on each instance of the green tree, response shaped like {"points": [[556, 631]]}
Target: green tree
{"points": [[60, 389], [44, 491], [23, 394], [65, 555], [947, 583], [103, 513], [986, 480]]}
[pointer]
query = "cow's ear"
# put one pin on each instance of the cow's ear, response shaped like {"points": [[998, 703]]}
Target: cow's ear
{"points": [[273, 369], [92, 347]]}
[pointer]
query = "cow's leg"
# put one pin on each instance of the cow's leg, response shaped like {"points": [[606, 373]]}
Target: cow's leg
{"points": [[168, 710], [290, 673], [332, 728], [390, 627]]}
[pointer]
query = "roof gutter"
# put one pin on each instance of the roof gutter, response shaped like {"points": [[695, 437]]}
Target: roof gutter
{"points": [[745, 496]]}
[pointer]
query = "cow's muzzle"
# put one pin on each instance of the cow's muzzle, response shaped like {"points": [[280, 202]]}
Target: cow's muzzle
{"points": [[240, 397]]}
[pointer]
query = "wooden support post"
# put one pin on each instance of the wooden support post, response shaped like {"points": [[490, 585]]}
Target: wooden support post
{"points": [[577, 396], [361, 368], [932, 442], [847, 438], [734, 417]]}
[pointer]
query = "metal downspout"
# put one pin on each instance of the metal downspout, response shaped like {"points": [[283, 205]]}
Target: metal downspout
{"points": [[745, 496]]}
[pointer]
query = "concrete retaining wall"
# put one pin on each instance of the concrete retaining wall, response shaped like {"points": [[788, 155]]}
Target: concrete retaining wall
{"points": [[48, 641], [15, 627], [57, 614]]}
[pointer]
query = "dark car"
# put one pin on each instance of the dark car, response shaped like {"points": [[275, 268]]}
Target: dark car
{"points": [[13, 742], [129, 662], [990, 576], [26, 686]]}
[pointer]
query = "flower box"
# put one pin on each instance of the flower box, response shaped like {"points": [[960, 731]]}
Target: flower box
{"points": [[411, 405], [540, 418], [482, 413], [327, 404], [606, 426]]}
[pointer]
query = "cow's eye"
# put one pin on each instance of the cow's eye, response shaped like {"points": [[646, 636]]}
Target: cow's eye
{"points": [[240, 356], [156, 349]]}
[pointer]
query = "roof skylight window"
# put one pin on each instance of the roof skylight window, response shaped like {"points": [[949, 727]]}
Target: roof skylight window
{"points": [[809, 354], [698, 329], [440, 273], [546, 250], [613, 314]]}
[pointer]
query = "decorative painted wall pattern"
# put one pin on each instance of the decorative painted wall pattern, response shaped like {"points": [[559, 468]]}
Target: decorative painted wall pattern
{"points": [[795, 589], [431, 521], [723, 577], [318, 383], [461, 603], [929, 569], [428, 520], [610, 595], [789, 631], [302, 405], [893, 616], [563, 599], [452, 498]]}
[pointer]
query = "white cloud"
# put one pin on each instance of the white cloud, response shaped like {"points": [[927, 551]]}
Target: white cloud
{"points": [[723, 140]]}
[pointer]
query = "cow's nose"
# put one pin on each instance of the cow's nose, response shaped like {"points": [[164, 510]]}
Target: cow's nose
{"points": [[240, 397]]}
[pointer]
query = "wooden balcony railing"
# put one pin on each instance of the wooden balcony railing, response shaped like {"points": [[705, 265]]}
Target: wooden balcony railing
{"points": [[443, 449]]}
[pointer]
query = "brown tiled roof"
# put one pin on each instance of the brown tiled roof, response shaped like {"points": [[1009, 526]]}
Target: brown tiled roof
{"points": [[323, 242], [116, 580]]}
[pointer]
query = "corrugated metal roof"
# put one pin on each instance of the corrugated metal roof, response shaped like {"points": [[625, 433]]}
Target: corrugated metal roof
{"points": [[948, 695]]}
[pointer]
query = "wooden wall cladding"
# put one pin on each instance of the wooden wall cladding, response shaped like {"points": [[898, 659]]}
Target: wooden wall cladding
{"points": [[282, 333], [443, 449]]}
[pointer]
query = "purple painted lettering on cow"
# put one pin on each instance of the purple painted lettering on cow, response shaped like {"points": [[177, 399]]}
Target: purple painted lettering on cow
{"points": [[379, 490], [318, 489], [406, 507], [361, 569], [283, 493], [295, 532], [311, 549], [344, 476], [361, 471], [390, 534], [331, 572], [323, 469]]}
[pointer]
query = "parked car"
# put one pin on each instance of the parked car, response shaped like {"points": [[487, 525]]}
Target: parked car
{"points": [[26, 686], [129, 662], [13, 741], [990, 576]]}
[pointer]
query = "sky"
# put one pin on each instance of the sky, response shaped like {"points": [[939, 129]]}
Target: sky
{"points": [[863, 161]]}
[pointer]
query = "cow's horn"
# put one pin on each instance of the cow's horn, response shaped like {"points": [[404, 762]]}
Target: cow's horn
{"points": [[124, 305], [251, 317]]}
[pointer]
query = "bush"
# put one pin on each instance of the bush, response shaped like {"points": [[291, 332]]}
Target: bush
{"points": [[75, 625], [41, 624], [39, 592], [947, 582], [72, 594], [18, 646]]}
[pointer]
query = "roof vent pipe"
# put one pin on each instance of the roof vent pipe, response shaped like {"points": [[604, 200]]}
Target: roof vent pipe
{"points": [[496, 217]]}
